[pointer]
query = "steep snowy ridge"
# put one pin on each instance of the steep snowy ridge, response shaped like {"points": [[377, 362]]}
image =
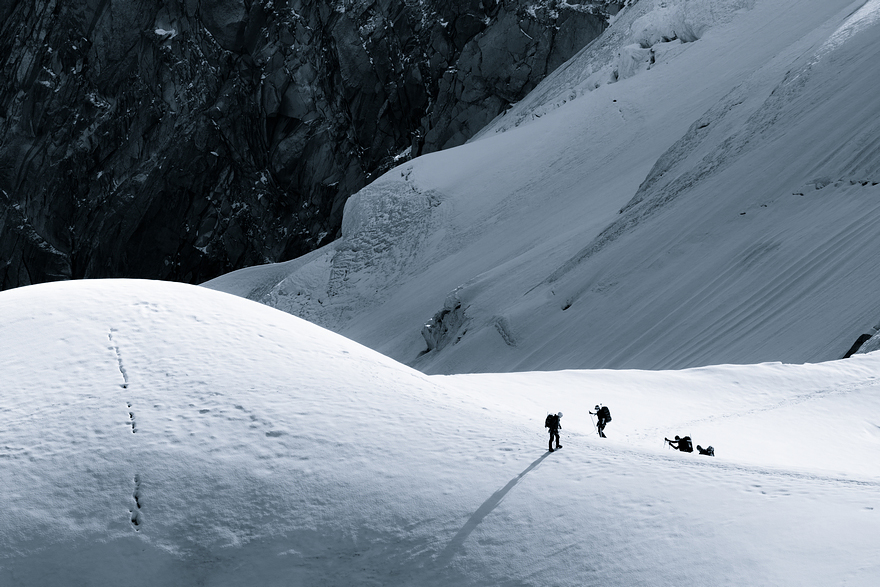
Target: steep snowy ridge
{"points": [[669, 215], [156, 433], [696, 157], [645, 33]]}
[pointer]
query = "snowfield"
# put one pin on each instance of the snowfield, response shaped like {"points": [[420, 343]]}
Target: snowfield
{"points": [[681, 223], [162, 434], [700, 185]]}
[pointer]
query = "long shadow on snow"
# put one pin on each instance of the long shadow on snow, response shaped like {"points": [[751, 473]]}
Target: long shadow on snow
{"points": [[483, 511]]}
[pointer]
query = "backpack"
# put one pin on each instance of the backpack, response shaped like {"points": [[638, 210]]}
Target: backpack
{"points": [[552, 421], [605, 413], [685, 444]]}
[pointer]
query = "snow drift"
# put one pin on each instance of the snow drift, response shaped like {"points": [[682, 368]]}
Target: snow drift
{"points": [[162, 434]]}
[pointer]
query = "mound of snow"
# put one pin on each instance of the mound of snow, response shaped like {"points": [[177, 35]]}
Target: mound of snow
{"points": [[162, 434]]}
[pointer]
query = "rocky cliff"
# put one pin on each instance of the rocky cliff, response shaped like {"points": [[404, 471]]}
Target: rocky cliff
{"points": [[181, 139]]}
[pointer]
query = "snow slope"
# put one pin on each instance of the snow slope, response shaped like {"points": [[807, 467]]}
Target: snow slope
{"points": [[700, 185], [163, 434]]}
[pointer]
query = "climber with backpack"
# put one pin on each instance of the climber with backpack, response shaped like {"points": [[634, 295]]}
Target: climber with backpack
{"points": [[682, 444], [604, 416], [708, 451], [553, 422]]}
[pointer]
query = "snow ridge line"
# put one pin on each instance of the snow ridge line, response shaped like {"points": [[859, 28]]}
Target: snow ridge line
{"points": [[666, 182], [651, 198]]}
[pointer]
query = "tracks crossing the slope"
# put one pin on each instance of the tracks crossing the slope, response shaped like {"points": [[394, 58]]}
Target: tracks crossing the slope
{"points": [[134, 511]]}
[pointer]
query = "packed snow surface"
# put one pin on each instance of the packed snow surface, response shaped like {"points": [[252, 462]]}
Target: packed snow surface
{"points": [[163, 434], [700, 185]]}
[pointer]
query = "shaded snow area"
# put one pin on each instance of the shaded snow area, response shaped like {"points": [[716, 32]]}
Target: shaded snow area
{"points": [[700, 185], [164, 434]]}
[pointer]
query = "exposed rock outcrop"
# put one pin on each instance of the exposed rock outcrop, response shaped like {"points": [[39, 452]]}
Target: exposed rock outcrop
{"points": [[447, 325], [182, 139]]}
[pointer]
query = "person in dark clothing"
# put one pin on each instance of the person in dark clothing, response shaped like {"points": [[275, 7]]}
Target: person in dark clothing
{"points": [[554, 423], [603, 415], [682, 444], [708, 451]]}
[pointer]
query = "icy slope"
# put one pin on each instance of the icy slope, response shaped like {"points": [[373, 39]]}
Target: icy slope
{"points": [[698, 186], [161, 434]]}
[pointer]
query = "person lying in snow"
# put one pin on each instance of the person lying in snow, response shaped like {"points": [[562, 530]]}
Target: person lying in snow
{"points": [[553, 422], [708, 451], [682, 444]]}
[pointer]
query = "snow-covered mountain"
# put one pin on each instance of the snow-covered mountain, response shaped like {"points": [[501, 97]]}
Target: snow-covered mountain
{"points": [[163, 434], [697, 186]]}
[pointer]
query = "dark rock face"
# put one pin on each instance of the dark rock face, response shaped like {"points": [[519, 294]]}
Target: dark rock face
{"points": [[502, 64], [181, 139]]}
